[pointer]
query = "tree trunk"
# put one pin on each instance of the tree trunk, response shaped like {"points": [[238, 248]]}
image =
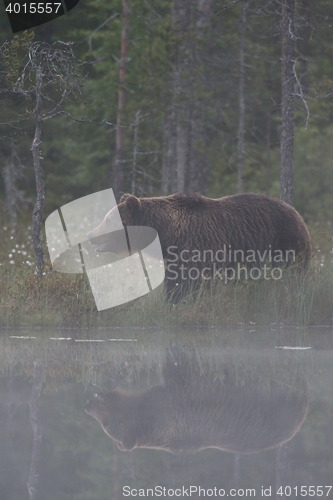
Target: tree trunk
{"points": [[179, 96], [37, 213], [185, 168], [10, 174], [167, 157], [287, 114], [192, 171], [198, 138], [118, 174], [182, 154], [282, 469], [237, 457], [117, 470], [135, 152], [205, 8], [180, 112], [37, 434], [305, 36], [240, 135], [268, 152]]}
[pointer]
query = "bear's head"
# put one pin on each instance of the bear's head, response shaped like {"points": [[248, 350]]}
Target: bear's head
{"points": [[113, 411], [129, 209]]}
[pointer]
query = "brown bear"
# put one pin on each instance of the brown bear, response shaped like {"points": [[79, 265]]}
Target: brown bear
{"points": [[204, 238], [197, 408]]}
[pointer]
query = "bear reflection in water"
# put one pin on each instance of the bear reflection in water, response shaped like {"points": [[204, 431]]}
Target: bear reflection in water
{"points": [[194, 409]]}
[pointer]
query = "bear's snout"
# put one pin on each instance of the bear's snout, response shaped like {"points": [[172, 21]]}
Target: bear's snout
{"points": [[98, 240], [92, 236]]}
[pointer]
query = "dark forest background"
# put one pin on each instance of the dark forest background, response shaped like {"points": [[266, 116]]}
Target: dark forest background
{"points": [[155, 97], [192, 73]]}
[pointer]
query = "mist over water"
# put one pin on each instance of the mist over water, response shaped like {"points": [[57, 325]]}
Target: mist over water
{"points": [[226, 411]]}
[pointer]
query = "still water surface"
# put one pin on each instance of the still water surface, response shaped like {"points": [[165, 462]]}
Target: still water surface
{"points": [[157, 414]]}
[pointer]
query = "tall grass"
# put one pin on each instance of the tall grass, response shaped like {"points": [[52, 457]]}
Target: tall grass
{"points": [[60, 300], [66, 301]]}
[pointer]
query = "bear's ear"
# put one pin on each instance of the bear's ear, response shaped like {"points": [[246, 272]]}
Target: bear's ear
{"points": [[124, 197], [133, 204]]}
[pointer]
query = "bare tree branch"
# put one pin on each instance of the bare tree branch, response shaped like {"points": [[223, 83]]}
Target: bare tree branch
{"points": [[89, 38], [301, 95]]}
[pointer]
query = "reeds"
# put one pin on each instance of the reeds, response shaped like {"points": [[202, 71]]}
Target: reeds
{"points": [[59, 300]]}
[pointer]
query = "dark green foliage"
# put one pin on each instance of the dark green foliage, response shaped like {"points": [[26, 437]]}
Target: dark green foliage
{"points": [[78, 155]]}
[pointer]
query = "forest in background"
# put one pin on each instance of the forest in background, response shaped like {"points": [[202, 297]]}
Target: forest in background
{"points": [[197, 71], [182, 103]]}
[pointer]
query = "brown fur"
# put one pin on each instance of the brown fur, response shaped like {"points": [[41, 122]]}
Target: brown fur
{"points": [[193, 222]]}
